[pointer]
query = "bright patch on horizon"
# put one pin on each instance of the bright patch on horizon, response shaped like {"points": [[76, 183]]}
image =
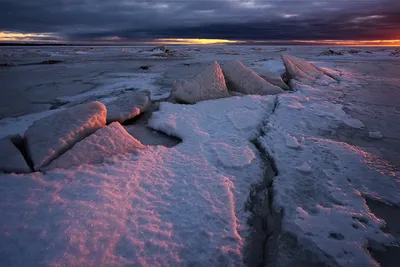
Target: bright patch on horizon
{"points": [[193, 41], [26, 37], [351, 42]]}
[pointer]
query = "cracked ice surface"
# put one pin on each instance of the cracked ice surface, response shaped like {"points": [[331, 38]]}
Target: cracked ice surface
{"points": [[159, 206], [321, 185]]}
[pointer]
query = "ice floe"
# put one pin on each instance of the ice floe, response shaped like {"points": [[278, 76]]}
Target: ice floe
{"points": [[128, 106], [209, 84], [241, 79], [106, 142], [51, 136]]}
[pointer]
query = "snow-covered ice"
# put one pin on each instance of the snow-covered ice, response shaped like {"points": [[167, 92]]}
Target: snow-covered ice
{"points": [[304, 168], [375, 135], [106, 142], [304, 71], [241, 79], [19, 125], [51, 136], [209, 84], [172, 203], [271, 77], [321, 187], [128, 106], [160, 206], [115, 85], [292, 142]]}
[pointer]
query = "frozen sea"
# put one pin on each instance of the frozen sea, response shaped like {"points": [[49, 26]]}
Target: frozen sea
{"points": [[319, 166], [90, 73]]}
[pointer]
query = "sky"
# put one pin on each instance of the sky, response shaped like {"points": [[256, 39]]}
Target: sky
{"points": [[124, 21]]}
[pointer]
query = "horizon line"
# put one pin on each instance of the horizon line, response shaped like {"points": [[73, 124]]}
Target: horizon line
{"points": [[204, 41]]}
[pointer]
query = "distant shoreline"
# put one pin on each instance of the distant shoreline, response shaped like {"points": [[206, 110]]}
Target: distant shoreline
{"points": [[219, 44]]}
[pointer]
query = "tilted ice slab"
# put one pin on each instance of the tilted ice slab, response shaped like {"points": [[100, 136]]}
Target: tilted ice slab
{"points": [[11, 159], [271, 77], [307, 73], [242, 79], [106, 142], [321, 183], [209, 84], [51, 136], [128, 106], [161, 206]]}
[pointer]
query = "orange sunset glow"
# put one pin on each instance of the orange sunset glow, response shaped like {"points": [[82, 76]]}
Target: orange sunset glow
{"points": [[352, 42], [6, 36]]}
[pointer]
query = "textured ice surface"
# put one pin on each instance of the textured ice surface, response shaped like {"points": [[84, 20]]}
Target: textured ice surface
{"points": [[127, 106], [304, 71], [292, 142], [120, 213], [375, 135], [209, 84], [235, 115], [242, 79], [271, 77], [11, 159], [106, 142], [237, 154], [113, 85], [19, 125], [321, 186], [51, 136], [180, 206]]}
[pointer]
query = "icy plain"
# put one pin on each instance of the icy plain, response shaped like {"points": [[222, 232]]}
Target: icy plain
{"points": [[196, 203]]}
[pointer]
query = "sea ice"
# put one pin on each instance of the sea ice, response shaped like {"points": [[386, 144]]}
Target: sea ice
{"points": [[375, 135], [51, 136], [242, 79], [107, 141], [304, 168], [128, 106], [291, 142], [304, 71], [271, 77], [161, 206], [209, 84], [323, 201]]}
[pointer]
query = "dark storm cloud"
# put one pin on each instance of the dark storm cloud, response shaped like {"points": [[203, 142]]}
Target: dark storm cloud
{"points": [[90, 20]]}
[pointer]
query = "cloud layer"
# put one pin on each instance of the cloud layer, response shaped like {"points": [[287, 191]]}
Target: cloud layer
{"points": [[135, 20]]}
